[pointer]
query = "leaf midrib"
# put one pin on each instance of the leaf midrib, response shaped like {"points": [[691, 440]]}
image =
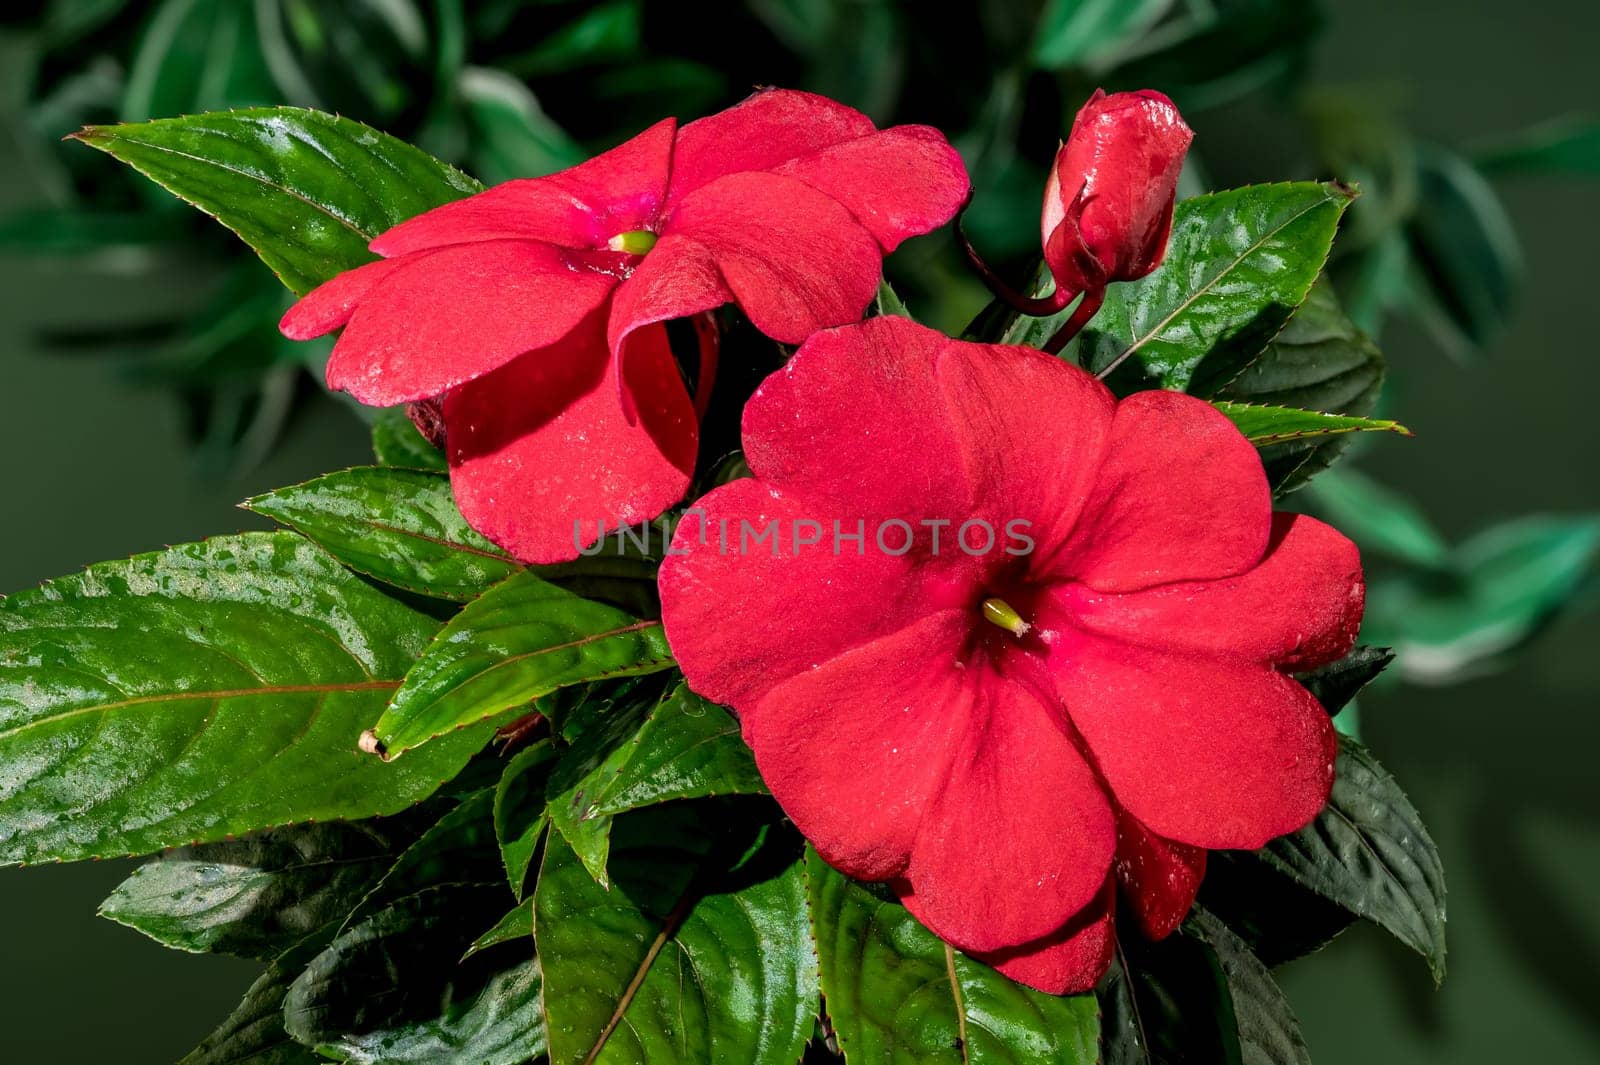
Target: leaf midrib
{"points": [[218, 694], [113, 138], [1224, 272]]}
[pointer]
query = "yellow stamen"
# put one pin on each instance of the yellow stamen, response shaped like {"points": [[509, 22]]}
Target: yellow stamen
{"points": [[634, 242], [1001, 613]]}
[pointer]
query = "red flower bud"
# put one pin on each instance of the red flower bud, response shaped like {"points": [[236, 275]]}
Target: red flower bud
{"points": [[1108, 203]]}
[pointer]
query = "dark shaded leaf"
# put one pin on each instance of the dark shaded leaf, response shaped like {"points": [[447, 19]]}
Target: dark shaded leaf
{"points": [[393, 989], [1336, 683], [259, 895], [1269, 1033], [1369, 852]]}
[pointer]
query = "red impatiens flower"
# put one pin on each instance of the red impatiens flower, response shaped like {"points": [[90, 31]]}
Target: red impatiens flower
{"points": [[533, 308], [1067, 654]]}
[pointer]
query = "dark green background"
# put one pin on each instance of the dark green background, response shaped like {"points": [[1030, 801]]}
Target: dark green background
{"points": [[1501, 767]]}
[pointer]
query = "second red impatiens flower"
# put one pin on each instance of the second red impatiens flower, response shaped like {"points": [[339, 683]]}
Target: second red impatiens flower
{"points": [[534, 309], [993, 634]]}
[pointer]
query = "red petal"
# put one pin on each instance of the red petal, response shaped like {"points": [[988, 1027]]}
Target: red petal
{"points": [[582, 207], [1159, 878], [1066, 962], [1300, 608], [744, 617], [1214, 753], [441, 319], [764, 131], [1021, 836], [899, 183], [677, 279], [541, 445], [1181, 496], [795, 259], [1032, 430], [330, 305], [855, 749], [857, 423]]}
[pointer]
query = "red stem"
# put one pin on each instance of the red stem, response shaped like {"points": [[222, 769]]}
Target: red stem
{"points": [[1080, 318]]}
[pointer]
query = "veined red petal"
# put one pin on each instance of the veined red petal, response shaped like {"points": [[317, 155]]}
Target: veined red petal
{"points": [[763, 131], [1159, 877], [794, 258], [330, 305], [1299, 608], [855, 749], [581, 207], [1030, 461], [679, 278], [1210, 752], [1020, 837], [1180, 496], [540, 452], [898, 183], [857, 424], [1068, 961], [747, 603], [442, 319]]}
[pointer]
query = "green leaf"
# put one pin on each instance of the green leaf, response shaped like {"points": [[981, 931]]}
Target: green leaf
{"points": [[519, 640], [519, 810], [1336, 683], [698, 955], [1568, 145], [306, 190], [1265, 426], [1269, 1033], [517, 924], [1167, 1003], [259, 895], [201, 692], [1501, 588], [1278, 917], [396, 442], [1237, 266], [1320, 361], [688, 748], [458, 848], [1369, 852], [397, 526], [888, 302], [393, 989], [254, 1031], [1087, 33], [1464, 247], [1379, 519], [601, 729], [897, 994]]}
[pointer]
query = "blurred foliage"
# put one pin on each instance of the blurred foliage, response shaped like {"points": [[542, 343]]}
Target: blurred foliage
{"points": [[507, 89]]}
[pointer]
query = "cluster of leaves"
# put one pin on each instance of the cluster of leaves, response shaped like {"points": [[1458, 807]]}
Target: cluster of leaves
{"points": [[562, 854]]}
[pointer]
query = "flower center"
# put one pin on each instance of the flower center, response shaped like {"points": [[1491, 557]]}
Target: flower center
{"points": [[633, 242], [999, 612]]}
